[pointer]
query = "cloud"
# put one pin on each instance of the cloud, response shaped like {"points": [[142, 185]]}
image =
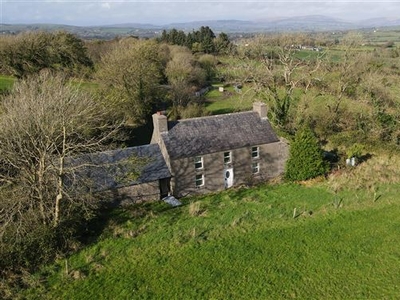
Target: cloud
{"points": [[106, 5]]}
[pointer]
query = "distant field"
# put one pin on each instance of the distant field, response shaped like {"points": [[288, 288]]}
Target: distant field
{"points": [[381, 37], [268, 242]]}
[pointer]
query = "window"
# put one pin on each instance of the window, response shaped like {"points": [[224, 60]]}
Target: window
{"points": [[198, 162], [227, 157], [255, 167], [199, 180], [254, 152]]}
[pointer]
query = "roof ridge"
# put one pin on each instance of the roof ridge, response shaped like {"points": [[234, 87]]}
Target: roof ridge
{"points": [[120, 149], [215, 133], [214, 116]]}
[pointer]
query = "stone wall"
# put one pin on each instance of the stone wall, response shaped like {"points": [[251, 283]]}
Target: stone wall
{"points": [[132, 194], [272, 158]]}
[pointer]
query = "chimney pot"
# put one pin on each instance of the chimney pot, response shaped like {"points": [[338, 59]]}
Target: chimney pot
{"points": [[260, 108], [160, 123]]}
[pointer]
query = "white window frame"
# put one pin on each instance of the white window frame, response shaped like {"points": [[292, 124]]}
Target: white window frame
{"points": [[199, 180], [255, 167], [255, 152], [198, 160], [227, 157]]}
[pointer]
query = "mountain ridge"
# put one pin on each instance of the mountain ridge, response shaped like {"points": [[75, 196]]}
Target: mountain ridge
{"points": [[308, 23]]}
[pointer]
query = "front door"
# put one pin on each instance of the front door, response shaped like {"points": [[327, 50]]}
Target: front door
{"points": [[164, 187], [228, 177]]}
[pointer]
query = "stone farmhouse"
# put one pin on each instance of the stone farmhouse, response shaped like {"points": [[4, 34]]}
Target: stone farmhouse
{"points": [[197, 156], [213, 153]]}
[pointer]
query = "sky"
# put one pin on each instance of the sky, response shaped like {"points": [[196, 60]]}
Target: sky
{"points": [[162, 12]]}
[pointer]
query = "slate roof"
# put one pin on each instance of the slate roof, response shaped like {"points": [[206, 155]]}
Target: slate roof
{"points": [[118, 168], [199, 136]]}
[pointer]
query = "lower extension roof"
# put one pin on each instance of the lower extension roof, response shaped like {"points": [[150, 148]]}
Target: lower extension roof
{"points": [[119, 168]]}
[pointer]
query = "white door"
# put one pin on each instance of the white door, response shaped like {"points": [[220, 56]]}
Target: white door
{"points": [[228, 177]]}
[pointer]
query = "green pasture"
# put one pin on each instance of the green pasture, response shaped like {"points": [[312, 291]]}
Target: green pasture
{"points": [[229, 100], [381, 37], [6, 83], [268, 242]]}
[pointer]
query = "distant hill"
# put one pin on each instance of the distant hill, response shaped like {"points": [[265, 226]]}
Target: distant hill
{"points": [[379, 22], [131, 25], [311, 23], [294, 24], [300, 23]]}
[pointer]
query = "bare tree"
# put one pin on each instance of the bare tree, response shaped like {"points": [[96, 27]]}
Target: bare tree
{"points": [[275, 71], [44, 121], [184, 77]]}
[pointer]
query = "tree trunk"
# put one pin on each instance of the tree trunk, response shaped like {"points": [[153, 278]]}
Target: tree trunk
{"points": [[60, 182], [40, 176]]}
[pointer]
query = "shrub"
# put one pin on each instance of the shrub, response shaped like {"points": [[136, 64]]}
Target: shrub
{"points": [[305, 157], [192, 110], [355, 150]]}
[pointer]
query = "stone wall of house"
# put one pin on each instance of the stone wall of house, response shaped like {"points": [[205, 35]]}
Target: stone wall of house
{"points": [[134, 194], [272, 158]]}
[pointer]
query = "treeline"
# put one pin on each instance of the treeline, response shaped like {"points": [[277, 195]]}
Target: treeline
{"points": [[28, 53], [202, 40]]}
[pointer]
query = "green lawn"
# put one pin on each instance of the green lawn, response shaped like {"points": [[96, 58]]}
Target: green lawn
{"points": [[241, 244], [229, 100]]}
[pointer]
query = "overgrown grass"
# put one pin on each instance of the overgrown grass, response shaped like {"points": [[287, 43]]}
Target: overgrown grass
{"points": [[306, 241], [86, 85], [6, 82]]}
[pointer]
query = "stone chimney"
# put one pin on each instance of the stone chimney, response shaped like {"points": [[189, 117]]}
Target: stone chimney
{"points": [[260, 108], [160, 124]]}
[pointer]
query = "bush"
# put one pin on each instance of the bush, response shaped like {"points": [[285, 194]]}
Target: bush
{"points": [[356, 150], [305, 157]]}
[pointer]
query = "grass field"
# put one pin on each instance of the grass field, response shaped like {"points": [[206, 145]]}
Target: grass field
{"points": [[269, 242], [6, 83], [381, 37], [229, 101]]}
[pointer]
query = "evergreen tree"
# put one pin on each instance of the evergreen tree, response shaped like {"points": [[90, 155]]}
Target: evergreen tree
{"points": [[180, 38], [222, 44], [207, 37], [164, 36], [189, 40], [305, 158], [172, 36], [202, 40]]}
